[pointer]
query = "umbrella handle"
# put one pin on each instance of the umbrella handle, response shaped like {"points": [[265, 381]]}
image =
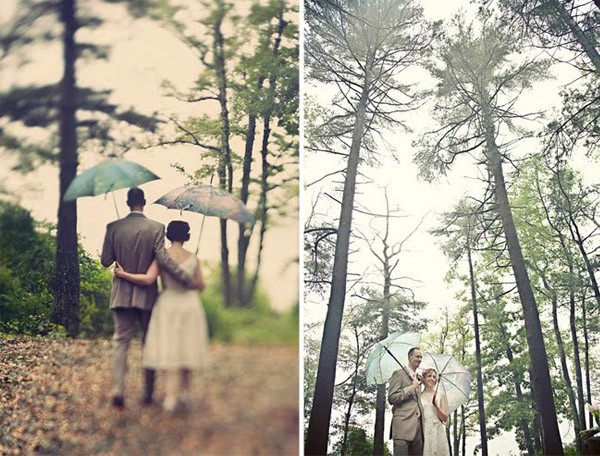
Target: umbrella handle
{"points": [[115, 203], [200, 236], [401, 365]]}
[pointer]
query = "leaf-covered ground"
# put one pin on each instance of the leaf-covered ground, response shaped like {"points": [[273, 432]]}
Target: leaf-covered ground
{"points": [[55, 399]]}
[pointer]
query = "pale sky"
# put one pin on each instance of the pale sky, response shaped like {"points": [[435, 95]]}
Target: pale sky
{"points": [[142, 56]]}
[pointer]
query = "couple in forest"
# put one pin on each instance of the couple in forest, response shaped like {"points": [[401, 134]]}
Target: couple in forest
{"points": [[172, 324], [419, 409]]}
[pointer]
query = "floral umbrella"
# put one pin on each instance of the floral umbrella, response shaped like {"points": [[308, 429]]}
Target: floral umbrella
{"points": [[454, 379], [388, 356], [207, 200], [111, 174]]}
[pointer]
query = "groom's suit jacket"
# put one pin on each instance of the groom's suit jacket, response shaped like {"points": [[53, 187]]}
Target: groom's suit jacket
{"points": [[407, 411], [134, 242]]}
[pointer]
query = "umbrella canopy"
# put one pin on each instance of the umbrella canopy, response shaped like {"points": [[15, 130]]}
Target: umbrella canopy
{"points": [[389, 355], [111, 174], [453, 379], [207, 200]]}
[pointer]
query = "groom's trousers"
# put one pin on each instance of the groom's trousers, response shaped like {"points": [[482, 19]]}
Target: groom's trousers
{"points": [[412, 447], [125, 321]]}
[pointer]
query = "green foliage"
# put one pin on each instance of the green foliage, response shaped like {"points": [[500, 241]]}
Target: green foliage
{"points": [[26, 279], [257, 324], [358, 443]]}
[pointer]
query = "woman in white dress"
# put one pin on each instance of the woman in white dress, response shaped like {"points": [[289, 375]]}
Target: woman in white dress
{"points": [[177, 338], [435, 415]]}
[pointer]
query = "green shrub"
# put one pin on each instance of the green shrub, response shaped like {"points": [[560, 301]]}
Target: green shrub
{"points": [[257, 324]]}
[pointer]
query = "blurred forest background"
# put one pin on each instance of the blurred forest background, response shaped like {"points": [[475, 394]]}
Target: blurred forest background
{"points": [[238, 117]]}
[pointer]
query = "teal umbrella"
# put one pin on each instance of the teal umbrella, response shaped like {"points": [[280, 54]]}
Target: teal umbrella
{"points": [[111, 174]]}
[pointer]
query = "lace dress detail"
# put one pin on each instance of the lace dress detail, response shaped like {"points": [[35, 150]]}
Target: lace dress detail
{"points": [[434, 431], [178, 333]]}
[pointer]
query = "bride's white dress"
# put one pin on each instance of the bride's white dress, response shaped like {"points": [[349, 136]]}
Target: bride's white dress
{"points": [[435, 442], [178, 333]]}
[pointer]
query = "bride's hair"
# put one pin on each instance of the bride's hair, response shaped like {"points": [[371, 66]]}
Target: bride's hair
{"points": [[426, 372], [178, 230]]}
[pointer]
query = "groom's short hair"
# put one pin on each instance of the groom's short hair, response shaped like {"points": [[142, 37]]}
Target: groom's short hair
{"points": [[412, 350], [135, 197]]}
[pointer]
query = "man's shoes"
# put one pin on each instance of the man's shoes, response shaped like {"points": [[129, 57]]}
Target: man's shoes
{"points": [[118, 402]]}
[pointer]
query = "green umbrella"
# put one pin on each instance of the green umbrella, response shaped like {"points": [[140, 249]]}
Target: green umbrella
{"points": [[111, 174]]}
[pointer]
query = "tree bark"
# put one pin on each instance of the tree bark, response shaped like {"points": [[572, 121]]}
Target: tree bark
{"points": [[551, 440], [320, 416], [480, 398], [244, 296], [586, 348], [225, 168], [66, 282], [563, 363], [378, 439], [578, 34]]}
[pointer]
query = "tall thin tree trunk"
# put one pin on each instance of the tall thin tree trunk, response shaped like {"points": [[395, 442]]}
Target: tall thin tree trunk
{"points": [[66, 281], [580, 36], [544, 397], [463, 427], [523, 424], [225, 167], [586, 355], [266, 167], [480, 398], [352, 395], [320, 416], [378, 439], [244, 297], [576, 357], [455, 438], [563, 363]]}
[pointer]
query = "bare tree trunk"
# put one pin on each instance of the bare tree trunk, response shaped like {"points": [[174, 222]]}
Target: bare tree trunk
{"points": [[66, 281], [586, 349], [563, 364], [352, 396], [576, 357], [244, 296], [225, 167], [320, 416], [480, 399], [544, 397], [578, 34], [523, 424], [378, 442]]}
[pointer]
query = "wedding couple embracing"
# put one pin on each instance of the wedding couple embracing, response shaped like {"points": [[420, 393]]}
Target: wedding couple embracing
{"points": [[420, 410], [172, 324]]}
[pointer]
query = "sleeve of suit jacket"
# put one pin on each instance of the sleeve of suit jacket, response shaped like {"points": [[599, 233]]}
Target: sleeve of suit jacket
{"points": [[396, 394], [108, 253], [167, 262]]}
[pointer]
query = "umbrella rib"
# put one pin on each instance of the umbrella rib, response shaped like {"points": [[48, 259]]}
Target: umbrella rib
{"points": [[454, 384]]}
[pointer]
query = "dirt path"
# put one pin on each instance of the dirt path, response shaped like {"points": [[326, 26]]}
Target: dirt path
{"points": [[55, 395]]}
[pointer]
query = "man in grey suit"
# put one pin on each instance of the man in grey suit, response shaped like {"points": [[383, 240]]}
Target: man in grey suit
{"points": [[404, 395], [134, 242]]}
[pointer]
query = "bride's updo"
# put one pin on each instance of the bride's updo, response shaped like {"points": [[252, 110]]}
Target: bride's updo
{"points": [[178, 231]]}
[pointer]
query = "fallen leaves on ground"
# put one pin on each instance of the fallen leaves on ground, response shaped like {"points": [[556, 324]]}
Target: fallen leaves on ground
{"points": [[55, 399]]}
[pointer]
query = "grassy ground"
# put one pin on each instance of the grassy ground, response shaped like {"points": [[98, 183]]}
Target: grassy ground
{"points": [[55, 399]]}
